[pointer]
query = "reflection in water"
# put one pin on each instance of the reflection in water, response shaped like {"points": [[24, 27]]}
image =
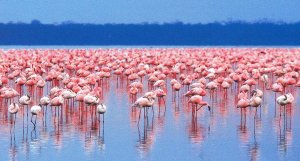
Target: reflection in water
{"points": [[94, 132], [33, 134], [146, 131], [195, 130], [242, 127], [13, 146], [100, 138], [253, 146], [284, 127], [56, 124], [51, 126], [13, 150], [58, 127], [253, 150]]}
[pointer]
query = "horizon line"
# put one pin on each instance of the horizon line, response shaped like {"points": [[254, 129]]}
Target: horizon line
{"points": [[68, 22]]}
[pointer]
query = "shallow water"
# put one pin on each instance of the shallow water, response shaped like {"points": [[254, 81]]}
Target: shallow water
{"points": [[171, 133]]}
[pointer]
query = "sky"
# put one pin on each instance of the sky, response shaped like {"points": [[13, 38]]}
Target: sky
{"points": [[149, 11]]}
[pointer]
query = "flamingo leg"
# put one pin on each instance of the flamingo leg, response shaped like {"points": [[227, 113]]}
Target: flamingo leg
{"points": [[15, 120], [34, 123], [103, 119], [35, 119], [139, 116], [152, 110]]}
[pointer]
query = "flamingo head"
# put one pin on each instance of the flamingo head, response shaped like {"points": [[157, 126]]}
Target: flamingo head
{"points": [[150, 98], [253, 92], [285, 97]]}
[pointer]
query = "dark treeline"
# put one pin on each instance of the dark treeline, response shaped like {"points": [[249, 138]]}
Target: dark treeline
{"points": [[235, 33]]}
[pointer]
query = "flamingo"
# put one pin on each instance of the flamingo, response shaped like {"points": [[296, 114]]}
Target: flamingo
{"points": [[197, 100], [195, 91], [8, 93], [160, 94], [176, 87], [256, 100], [91, 100], [13, 109], [25, 100], [75, 73], [101, 109], [57, 102], [68, 94], [41, 83], [35, 110], [265, 79], [44, 101], [197, 85], [245, 88], [285, 99], [243, 103], [145, 101], [159, 84], [142, 103], [133, 91]]}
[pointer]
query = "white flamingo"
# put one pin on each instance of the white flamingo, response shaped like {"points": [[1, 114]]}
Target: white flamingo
{"points": [[13, 109], [91, 100], [25, 101], [101, 109], [142, 103], [35, 110]]}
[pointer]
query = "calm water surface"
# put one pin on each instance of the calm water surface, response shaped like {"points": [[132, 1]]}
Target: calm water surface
{"points": [[172, 133]]}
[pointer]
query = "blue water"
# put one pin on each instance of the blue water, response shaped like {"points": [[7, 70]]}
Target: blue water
{"points": [[172, 133]]}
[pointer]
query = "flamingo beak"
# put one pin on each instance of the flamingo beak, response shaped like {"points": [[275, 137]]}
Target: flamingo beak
{"points": [[285, 97], [208, 108]]}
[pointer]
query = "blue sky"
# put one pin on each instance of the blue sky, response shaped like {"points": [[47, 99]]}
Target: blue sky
{"points": [[158, 11]]}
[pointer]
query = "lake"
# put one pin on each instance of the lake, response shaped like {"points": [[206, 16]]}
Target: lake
{"points": [[169, 132]]}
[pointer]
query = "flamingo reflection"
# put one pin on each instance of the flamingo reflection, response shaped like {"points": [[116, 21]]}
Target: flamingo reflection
{"points": [[285, 129], [69, 80], [146, 135], [253, 147], [243, 130], [196, 131]]}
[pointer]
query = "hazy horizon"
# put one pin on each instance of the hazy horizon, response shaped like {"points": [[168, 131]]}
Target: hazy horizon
{"points": [[149, 11]]}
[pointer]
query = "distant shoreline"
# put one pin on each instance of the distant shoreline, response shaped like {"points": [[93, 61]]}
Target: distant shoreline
{"points": [[177, 34]]}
